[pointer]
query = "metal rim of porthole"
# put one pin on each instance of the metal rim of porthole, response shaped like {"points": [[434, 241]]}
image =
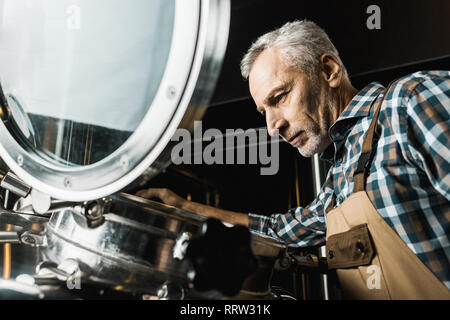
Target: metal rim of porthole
{"points": [[198, 45]]}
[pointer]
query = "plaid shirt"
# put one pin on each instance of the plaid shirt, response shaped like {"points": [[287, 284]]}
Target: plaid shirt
{"points": [[409, 179]]}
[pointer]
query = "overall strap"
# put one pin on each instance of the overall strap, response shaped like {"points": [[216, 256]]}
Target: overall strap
{"points": [[368, 149]]}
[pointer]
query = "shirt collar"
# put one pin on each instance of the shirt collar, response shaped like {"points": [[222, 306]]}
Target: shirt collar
{"points": [[328, 154], [358, 107]]}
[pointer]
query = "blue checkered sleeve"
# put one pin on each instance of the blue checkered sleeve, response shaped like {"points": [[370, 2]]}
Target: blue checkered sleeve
{"points": [[427, 138], [299, 227]]}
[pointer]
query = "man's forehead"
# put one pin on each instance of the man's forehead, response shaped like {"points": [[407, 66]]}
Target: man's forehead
{"points": [[266, 74]]}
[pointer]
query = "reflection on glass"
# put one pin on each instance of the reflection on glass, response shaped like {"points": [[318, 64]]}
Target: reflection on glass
{"points": [[79, 75]]}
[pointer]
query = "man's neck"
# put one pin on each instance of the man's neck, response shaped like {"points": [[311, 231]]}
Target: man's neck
{"points": [[345, 94]]}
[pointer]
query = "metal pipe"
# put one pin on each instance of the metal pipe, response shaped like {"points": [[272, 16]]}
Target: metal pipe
{"points": [[9, 237], [298, 204], [318, 180], [12, 183]]}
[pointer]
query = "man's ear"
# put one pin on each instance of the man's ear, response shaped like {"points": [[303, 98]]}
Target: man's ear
{"points": [[331, 70]]}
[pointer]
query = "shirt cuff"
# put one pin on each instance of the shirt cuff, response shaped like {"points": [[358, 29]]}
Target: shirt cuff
{"points": [[258, 223]]}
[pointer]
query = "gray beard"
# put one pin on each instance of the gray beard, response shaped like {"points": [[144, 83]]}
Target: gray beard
{"points": [[318, 140]]}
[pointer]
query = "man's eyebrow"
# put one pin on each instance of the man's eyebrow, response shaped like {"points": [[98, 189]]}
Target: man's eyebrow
{"points": [[272, 92]]}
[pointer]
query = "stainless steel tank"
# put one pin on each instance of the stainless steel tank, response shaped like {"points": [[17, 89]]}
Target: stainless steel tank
{"points": [[91, 93]]}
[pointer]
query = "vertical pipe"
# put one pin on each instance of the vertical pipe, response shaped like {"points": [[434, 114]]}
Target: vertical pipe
{"points": [[318, 180], [7, 257], [5, 203], [297, 202]]}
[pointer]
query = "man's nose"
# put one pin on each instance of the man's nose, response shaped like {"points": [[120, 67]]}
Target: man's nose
{"points": [[274, 123]]}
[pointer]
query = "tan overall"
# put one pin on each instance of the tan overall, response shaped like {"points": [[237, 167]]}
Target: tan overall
{"points": [[371, 260]]}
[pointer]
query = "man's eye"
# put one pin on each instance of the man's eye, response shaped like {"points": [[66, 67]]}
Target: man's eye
{"points": [[278, 98]]}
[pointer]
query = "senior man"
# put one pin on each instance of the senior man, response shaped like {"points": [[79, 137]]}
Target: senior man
{"points": [[384, 208]]}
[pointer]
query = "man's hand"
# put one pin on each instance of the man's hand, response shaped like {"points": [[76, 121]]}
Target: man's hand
{"points": [[165, 195]]}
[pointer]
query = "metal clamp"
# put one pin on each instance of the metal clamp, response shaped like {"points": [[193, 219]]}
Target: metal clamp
{"points": [[93, 211]]}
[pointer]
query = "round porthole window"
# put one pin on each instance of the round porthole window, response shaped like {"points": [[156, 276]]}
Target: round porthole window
{"points": [[92, 91]]}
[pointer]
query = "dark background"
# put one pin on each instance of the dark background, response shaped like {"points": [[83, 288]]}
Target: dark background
{"points": [[414, 36]]}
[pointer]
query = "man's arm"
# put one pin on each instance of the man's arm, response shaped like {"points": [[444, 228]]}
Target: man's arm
{"points": [[299, 227], [304, 226], [170, 198], [424, 129]]}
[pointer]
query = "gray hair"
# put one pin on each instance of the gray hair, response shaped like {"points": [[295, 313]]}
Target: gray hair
{"points": [[301, 43]]}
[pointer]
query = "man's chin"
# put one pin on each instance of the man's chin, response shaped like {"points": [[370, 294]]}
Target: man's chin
{"points": [[305, 153], [308, 150]]}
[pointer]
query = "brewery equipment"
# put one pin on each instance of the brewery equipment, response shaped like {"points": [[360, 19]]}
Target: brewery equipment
{"points": [[91, 93]]}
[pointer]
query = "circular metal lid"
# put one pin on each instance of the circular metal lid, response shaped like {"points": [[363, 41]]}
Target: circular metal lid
{"points": [[92, 91]]}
